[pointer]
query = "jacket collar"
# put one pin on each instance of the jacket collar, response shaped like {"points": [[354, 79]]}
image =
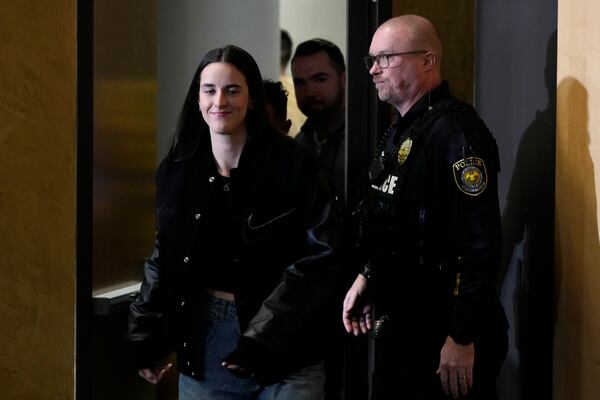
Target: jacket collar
{"points": [[311, 133]]}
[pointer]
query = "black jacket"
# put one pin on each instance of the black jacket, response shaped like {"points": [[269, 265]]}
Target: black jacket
{"points": [[433, 220], [330, 155], [283, 257]]}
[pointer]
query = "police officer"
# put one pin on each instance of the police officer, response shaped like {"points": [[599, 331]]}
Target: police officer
{"points": [[432, 233]]}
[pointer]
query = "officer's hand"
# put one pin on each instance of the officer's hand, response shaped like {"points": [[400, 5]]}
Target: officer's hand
{"points": [[456, 367], [356, 314], [154, 375]]}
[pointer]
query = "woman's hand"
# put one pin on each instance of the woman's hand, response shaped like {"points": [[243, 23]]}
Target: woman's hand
{"points": [[154, 375]]}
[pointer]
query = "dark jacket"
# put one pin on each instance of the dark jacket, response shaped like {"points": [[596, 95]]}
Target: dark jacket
{"points": [[330, 155], [282, 251], [433, 220]]}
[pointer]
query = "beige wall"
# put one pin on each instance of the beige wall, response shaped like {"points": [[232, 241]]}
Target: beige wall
{"points": [[37, 199], [577, 343]]}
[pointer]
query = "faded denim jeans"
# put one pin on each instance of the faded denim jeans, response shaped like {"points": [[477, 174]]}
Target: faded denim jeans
{"points": [[220, 334]]}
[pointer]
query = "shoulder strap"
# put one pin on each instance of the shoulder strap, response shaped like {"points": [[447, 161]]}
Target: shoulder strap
{"points": [[416, 131], [423, 124], [429, 118]]}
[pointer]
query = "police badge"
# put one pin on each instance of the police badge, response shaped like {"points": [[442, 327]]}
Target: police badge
{"points": [[404, 150], [470, 175]]}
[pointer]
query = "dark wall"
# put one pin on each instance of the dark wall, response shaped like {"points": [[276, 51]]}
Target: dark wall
{"points": [[124, 50], [455, 22], [124, 149], [515, 94]]}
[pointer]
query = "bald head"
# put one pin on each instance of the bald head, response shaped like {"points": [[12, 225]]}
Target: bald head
{"points": [[410, 49], [416, 32]]}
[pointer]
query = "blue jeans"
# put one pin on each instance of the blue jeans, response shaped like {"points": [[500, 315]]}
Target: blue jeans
{"points": [[220, 333]]}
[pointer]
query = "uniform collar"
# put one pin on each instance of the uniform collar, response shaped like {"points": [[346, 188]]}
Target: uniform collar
{"points": [[437, 94]]}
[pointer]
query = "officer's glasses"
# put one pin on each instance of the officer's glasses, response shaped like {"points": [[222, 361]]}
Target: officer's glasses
{"points": [[383, 59]]}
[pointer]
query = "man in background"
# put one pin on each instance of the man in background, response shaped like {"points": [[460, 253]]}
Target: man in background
{"points": [[319, 75]]}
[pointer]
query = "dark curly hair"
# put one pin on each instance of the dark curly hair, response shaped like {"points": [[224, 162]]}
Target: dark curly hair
{"points": [[277, 96]]}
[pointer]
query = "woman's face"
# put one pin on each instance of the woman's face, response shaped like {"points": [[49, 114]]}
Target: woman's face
{"points": [[224, 98]]}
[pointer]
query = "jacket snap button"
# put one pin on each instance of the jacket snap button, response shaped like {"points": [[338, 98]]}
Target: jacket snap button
{"points": [[197, 216], [211, 179], [186, 259]]}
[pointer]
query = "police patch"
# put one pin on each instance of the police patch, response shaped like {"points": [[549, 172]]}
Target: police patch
{"points": [[470, 175]]}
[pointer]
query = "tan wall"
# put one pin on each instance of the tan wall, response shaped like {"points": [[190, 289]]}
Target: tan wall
{"points": [[577, 337], [37, 199]]}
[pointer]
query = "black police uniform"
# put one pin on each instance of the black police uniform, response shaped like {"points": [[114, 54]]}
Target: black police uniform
{"points": [[433, 236]]}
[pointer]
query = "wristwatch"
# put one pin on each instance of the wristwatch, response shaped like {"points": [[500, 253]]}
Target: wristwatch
{"points": [[366, 272]]}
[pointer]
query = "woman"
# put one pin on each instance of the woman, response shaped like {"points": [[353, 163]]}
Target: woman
{"points": [[240, 282]]}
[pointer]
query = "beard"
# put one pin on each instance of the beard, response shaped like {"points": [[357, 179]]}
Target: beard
{"points": [[316, 108]]}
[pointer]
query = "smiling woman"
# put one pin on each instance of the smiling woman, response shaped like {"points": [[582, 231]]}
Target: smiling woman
{"points": [[245, 237], [143, 55], [224, 100]]}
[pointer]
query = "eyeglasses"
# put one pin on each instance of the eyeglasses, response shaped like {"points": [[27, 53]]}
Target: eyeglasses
{"points": [[383, 59]]}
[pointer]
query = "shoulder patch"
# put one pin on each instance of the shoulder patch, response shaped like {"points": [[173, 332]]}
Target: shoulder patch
{"points": [[470, 175]]}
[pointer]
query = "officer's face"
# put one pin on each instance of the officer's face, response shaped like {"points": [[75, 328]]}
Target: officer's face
{"points": [[403, 79], [318, 85]]}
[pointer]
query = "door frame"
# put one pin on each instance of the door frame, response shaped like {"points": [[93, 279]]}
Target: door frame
{"points": [[84, 200]]}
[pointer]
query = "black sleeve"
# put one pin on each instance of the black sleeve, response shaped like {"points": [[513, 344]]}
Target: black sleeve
{"points": [[146, 325], [467, 170], [307, 285], [146, 330]]}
